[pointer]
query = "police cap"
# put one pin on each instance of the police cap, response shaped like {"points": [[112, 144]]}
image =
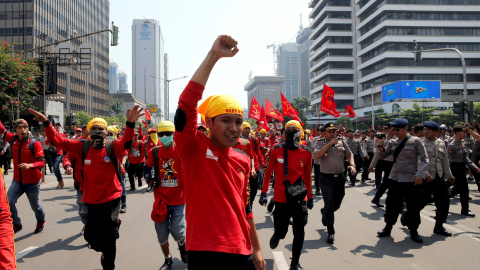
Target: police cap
{"points": [[459, 128], [431, 125], [330, 126], [400, 123]]}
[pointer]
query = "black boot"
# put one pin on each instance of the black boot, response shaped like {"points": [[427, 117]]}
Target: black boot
{"points": [[439, 229], [415, 236], [386, 231], [295, 264]]}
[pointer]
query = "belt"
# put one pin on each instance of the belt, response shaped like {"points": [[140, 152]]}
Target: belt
{"points": [[331, 174]]}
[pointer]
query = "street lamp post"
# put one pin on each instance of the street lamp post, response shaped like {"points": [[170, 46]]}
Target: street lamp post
{"points": [[166, 113]]}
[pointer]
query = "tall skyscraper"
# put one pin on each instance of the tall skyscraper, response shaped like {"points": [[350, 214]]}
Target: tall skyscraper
{"points": [[304, 42], [360, 46], [288, 66], [113, 78], [166, 95], [148, 63], [30, 24], [122, 82]]}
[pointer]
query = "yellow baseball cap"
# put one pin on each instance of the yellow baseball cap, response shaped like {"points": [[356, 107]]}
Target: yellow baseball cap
{"points": [[97, 121], [166, 126], [220, 104]]}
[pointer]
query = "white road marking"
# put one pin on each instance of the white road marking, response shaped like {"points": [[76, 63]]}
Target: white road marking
{"points": [[280, 260], [24, 252]]}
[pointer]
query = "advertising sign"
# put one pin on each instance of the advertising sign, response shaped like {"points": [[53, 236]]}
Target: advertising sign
{"points": [[411, 90], [145, 32]]}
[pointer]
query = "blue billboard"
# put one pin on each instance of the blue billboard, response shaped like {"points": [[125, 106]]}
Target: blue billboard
{"points": [[411, 90]]}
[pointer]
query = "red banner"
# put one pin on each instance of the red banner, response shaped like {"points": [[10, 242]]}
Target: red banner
{"points": [[254, 111], [288, 109], [270, 111], [263, 119], [148, 116], [328, 103], [350, 111]]}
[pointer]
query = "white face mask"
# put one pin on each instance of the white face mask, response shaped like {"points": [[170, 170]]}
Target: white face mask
{"points": [[110, 137]]}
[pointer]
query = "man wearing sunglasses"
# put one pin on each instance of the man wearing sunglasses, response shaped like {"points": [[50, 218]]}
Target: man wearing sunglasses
{"points": [[221, 230], [410, 167]]}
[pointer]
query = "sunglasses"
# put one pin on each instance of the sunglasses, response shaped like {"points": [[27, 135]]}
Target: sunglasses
{"points": [[396, 129], [166, 133]]}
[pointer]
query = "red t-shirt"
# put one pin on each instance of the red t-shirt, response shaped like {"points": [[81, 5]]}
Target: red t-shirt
{"points": [[170, 174], [264, 143], [272, 140], [216, 185], [69, 160], [150, 144], [7, 246], [299, 165], [136, 153], [31, 176], [257, 155], [100, 180]]}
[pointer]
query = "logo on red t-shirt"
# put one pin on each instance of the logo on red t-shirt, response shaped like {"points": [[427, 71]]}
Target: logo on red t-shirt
{"points": [[210, 155]]}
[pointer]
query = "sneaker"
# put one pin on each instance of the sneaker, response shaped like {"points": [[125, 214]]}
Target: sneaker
{"points": [[183, 253], [295, 264], [274, 241], [168, 262], [17, 228], [82, 232], [123, 208], [40, 227]]}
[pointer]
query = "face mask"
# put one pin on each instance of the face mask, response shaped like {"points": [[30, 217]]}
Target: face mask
{"points": [[166, 140], [97, 139], [110, 137], [154, 138], [292, 139]]}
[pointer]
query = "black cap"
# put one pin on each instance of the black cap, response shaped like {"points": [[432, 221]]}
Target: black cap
{"points": [[459, 128], [330, 126], [431, 125]]}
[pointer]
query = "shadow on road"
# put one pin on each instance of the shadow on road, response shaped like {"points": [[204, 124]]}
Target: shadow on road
{"points": [[378, 215], [316, 244], [59, 244], [67, 197], [268, 224]]}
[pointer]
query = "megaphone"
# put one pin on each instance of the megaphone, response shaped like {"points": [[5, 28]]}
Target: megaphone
{"points": [[279, 126]]}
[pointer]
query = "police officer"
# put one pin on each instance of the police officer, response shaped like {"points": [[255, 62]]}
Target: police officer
{"points": [[458, 155], [475, 158], [409, 169], [316, 161], [438, 169], [369, 146], [331, 151], [384, 165], [418, 130], [357, 151]]}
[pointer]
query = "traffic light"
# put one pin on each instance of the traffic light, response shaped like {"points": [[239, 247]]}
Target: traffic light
{"points": [[417, 54], [114, 35], [470, 111], [459, 110], [73, 120], [68, 123], [118, 108]]}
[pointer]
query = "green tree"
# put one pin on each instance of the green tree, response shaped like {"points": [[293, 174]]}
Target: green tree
{"points": [[342, 120], [445, 117], [17, 79], [361, 126], [82, 118]]}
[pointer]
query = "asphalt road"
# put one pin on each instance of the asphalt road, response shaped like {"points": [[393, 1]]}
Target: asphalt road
{"points": [[61, 246]]}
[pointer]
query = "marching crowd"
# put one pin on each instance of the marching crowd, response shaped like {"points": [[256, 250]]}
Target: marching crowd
{"points": [[205, 178]]}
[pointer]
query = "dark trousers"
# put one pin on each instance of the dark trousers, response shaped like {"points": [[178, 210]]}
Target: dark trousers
{"points": [[253, 183], [397, 193], [461, 185], [316, 171], [281, 218], [476, 175], [134, 169], [333, 191], [358, 165], [366, 164], [218, 260], [5, 161], [101, 230], [386, 167], [439, 190]]}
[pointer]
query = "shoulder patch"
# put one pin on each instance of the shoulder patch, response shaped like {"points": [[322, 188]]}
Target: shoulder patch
{"points": [[241, 152], [307, 148]]}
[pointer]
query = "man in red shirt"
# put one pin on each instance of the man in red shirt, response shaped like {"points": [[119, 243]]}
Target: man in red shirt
{"points": [[7, 245], [27, 166], [102, 188], [169, 207], [264, 145], [257, 159], [55, 154], [298, 161], [221, 231], [136, 159]]}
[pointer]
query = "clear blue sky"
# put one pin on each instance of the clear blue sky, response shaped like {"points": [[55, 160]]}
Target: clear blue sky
{"points": [[189, 28]]}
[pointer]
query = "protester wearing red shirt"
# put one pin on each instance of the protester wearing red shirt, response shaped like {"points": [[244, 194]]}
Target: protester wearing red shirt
{"points": [[221, 230], [136, 159], [265, 145], [257, 159], [7, 245], [273, 137], [27, 173], [55, 154], [299, 164], [102, 187], [169, 207], [152, 139]]}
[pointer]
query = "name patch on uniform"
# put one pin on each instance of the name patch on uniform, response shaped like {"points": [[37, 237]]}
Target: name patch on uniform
{"points": [[88, 162], [106, 159], [280, 160]]}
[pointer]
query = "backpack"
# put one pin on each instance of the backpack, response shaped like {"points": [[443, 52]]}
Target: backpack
{"points": [[110, 154]]}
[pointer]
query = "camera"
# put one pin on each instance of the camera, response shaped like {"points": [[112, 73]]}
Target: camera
{"points": [[381, 135]]}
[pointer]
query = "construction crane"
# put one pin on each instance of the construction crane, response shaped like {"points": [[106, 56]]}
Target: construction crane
{"points": [[274, 57]]}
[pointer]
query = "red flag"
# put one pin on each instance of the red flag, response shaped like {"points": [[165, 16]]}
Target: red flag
{"points": [[350, 111], [254, 111], [148, 116], [328, 104], [263, 118], [288, 109], [272, 112]]}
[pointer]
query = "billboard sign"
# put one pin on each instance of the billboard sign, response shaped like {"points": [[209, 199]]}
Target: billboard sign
{"points": [[411, 90], [145, 32]]}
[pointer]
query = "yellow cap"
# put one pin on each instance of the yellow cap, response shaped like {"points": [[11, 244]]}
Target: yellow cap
{"points": [[294, 123], [307, 131], [112, 129], [251, 132], [165, 126], [97, 121], [263, 131], [220, 104], [246, 125]]}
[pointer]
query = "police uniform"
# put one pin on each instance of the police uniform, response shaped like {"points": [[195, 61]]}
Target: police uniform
{"points": [[357, 151], [332, 179], [458, 155], [438, 169], [369, 146], [475, 159], [410, 162], [316, 167], [382, 165]]}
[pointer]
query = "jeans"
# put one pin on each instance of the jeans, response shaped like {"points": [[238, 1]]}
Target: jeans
{"points": [[55, 160], [174, 223], [123, 199], [82, 209], [32, 191]]}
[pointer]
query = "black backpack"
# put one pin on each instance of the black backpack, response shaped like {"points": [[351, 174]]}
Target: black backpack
{"points": [[110, 154]]}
